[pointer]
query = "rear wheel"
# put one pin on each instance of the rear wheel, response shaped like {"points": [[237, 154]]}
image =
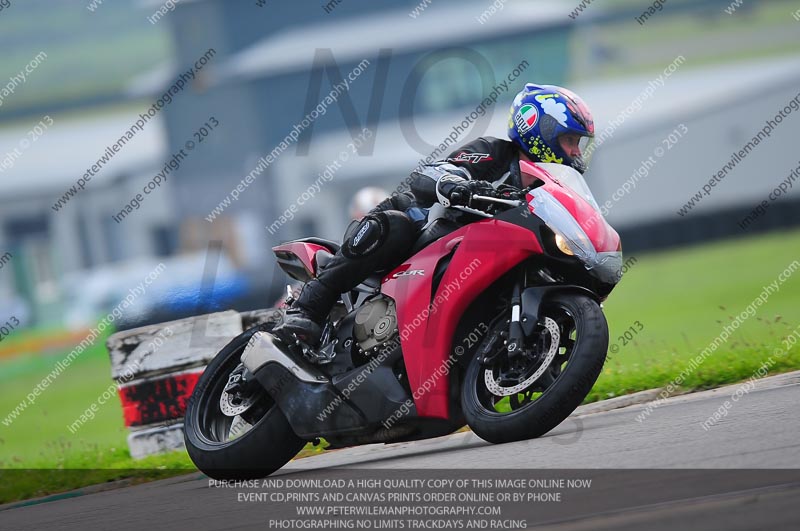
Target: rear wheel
{"points": [[233, 429], [525, 397]]}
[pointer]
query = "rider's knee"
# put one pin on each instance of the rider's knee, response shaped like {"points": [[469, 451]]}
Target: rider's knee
{"points": [[387, 230]]}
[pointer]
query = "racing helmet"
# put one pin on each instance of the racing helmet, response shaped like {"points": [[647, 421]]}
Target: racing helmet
{"points": [[552, 124]]}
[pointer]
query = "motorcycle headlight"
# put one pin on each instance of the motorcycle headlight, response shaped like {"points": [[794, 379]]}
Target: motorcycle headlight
{"points": [[563, 246]]}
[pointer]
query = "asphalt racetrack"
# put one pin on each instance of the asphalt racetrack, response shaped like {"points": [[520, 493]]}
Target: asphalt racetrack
{"points": [[665, 472]]}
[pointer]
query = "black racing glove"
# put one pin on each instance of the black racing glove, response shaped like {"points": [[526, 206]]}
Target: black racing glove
{"points": [[457, 191]]}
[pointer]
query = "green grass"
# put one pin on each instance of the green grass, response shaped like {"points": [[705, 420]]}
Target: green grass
{"points": [[39, 455], [682, 298], [632, 48], [39, 439], [39, 436], [88, 54]]}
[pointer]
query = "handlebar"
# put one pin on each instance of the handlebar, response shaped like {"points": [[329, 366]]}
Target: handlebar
{"points": [[489, 199], [512, 203]]}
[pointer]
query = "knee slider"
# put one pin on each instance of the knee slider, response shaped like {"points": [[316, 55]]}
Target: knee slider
{"points": [[367, 237], [364, 238]]}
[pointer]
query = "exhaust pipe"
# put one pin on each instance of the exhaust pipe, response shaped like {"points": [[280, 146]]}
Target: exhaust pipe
{"points": [[301, 392], [261, 350]]}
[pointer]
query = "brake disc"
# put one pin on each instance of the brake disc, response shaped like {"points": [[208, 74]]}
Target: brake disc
{"points": [[231, 401], [555, 339], [230, 409]]}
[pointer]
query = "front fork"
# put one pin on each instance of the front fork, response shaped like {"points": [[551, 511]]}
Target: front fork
{"points": [[514, 336]]}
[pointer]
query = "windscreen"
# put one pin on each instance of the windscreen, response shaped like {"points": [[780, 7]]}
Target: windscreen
{"points": [[570, 178]]}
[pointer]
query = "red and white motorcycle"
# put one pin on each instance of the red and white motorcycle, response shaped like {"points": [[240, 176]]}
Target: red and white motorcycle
{"points": [[496, 324]]}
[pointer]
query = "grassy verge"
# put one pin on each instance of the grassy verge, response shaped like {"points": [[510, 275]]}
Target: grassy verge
{"points": [[681, 300]]}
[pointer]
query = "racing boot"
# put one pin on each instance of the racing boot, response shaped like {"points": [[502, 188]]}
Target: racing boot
{"points": [[306, 317]]}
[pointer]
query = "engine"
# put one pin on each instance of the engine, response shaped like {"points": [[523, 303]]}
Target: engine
{"points": [[375, 324]]}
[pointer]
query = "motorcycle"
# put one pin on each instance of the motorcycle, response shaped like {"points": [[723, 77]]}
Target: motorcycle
{"points": [[496, 324]]}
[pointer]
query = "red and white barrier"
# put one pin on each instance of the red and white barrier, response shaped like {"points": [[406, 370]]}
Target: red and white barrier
{"points": [[156, 368]]}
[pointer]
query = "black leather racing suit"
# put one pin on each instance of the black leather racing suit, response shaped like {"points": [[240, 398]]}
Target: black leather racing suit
{"points": [[486, 159], [385, 236]]}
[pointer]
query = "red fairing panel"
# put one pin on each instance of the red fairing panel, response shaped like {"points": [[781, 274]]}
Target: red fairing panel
{"points": [[305, 251], [487, 250]]}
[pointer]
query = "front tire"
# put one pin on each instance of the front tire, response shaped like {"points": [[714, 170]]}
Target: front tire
{"points": [[217, 444], [498, 416]]}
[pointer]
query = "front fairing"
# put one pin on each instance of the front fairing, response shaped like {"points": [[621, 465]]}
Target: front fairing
{"points": [[566, 205]]}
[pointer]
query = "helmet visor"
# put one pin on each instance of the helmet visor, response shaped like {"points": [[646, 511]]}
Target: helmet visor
{"points": [[586, 146], [578, 150]]}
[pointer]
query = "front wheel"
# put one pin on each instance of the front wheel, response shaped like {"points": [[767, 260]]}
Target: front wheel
{"points": [[233, 429], [523, 398]]}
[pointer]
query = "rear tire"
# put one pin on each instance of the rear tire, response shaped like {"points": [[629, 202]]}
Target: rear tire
{"points": [[260, 451], [567, 388]]}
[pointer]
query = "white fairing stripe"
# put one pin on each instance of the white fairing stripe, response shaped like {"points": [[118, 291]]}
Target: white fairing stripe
{"points": [[606, 266]]}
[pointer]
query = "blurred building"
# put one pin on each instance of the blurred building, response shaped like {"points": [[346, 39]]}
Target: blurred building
{"points": [[278, 63], [47, 243], [420, 73], [425, 75]]}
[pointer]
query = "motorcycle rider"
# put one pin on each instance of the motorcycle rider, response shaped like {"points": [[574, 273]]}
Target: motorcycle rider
{"points": [[364, 200], [546, 123]]}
